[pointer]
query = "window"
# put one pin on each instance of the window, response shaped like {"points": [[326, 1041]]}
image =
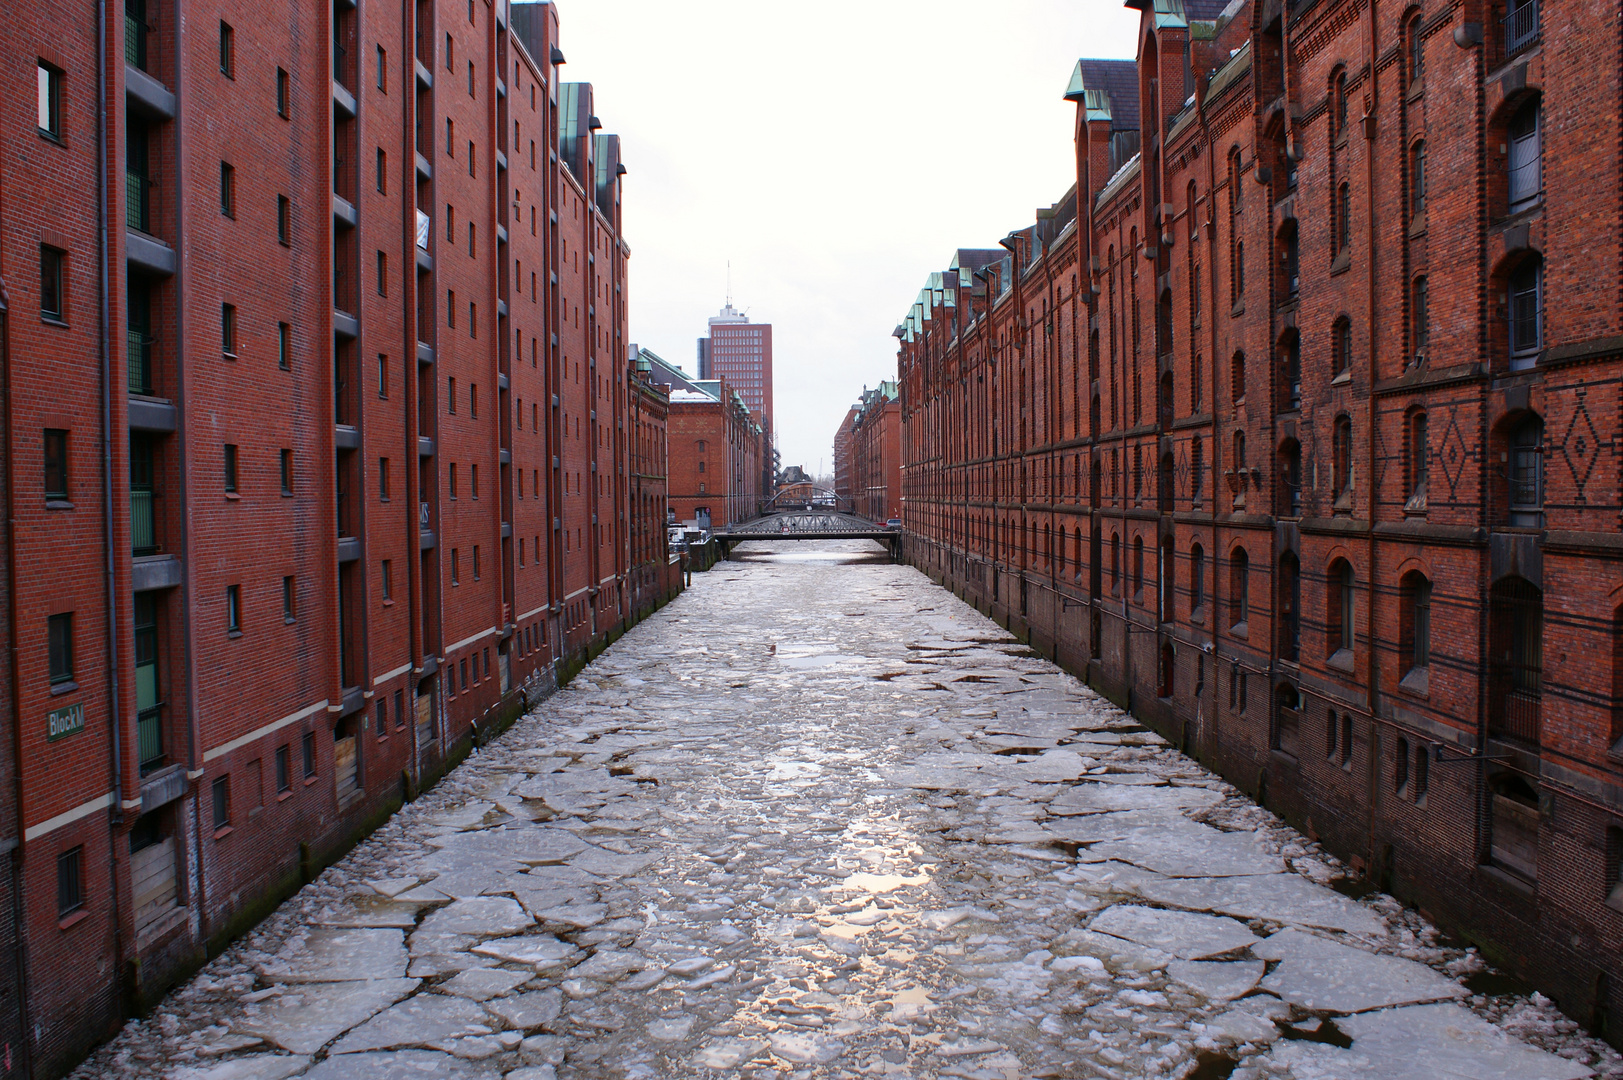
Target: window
{"points": [[383, 479], [222, 802], [1343, 218], [470, 78], [383, 274], [473, 400], [1339, 607], [1346, 740], [1340, 346], [228, 329], [450, 308], [284, 351], [1417, 179], [309, 754], [1422, 318], [382, 172], [383, 375], [1197, 578], [228, 189], [1526, 473], [449, 47], [451, 478], [53, 302], [1341, 460], [228, 51], [1239, 588], [383, 70], [231, 467], [233, 609], [471, 158], [1526, 162], [284, 221], [450, 396], [287, 472], [50, 100], [1418, 461], [473, 319], [59, 647], [476, 562], [1339, 121], [70, 882], [1400, 766], [473, 247], [287, 599], [1414, 621], [56, 465], [1526, 314], [450, 137], [1417, 52], [284, 95], [1290, 607], [1237, 378], [387, 580], [284, 770], [1138, 567], [473, 483], [1239, 270], [456, 567]]}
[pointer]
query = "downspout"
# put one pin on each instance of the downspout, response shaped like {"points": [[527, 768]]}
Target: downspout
{"points": [[19, 953], [1372, 101], [104, 345]]}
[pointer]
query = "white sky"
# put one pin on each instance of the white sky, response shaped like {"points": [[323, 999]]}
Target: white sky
{"points": [[837, 153]]}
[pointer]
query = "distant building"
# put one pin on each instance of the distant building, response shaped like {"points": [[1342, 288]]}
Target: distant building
{"points": [[843, 462], [740, 352], [868, 455], [717, 449]]}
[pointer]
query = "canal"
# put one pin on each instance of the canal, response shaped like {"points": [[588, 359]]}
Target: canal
{"points": [[818, 818]]}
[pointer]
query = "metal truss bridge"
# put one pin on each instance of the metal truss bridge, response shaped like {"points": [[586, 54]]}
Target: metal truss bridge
{"points": [[815, 524]]}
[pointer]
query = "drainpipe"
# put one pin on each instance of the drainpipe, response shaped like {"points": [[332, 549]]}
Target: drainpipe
{"points": [[1372, 99], [109, 580]]}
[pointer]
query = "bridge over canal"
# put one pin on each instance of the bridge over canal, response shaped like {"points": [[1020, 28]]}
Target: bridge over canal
{"points": [[814, 524]]}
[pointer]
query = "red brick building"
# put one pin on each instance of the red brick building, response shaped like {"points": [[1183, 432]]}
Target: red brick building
{"points": [[1220, 433], [353, 480], [868, 452], [716, 452]]}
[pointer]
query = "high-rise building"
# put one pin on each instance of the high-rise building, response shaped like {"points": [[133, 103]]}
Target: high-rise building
{"points": [[740, 352]]}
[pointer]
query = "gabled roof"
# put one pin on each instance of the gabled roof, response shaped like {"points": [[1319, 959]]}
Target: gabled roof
{"points": [[1109, 88]]}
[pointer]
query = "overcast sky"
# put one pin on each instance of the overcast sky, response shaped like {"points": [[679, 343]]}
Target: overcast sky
{"points": [[836, 153]]}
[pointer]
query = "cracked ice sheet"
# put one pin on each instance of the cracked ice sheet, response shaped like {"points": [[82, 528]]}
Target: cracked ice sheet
{"points": [[341, 955], [1284, 898], [305, 1019], [1423, 1042], [401, 1065], [1327, 976], [424, 1020], [1184, 934]]}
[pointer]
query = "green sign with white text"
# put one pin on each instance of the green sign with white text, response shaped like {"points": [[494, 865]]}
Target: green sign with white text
{"points": [[60, 723]]}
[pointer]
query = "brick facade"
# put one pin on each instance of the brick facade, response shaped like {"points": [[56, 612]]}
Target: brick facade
{"points": [[355, 456], [716, 453], [868, 453], [1337, 516]]}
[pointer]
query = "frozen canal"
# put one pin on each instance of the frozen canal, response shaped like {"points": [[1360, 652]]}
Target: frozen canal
{"points": [[817, 818]]}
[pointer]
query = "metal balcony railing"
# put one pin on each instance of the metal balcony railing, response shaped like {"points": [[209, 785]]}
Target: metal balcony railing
{"points": [[1521, 27], [137, 36], [138, 202], [143, 522], [149, 737], [142, 357]]}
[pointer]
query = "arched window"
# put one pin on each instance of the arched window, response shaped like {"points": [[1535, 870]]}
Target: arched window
{"points": [[1400, 770], [1197, 580], [1239, 269], [1340, 346], [1138, 568], [1417, 51], [1417, 179], [1290, 257], [1526, 473], [1287, 732], [1414, 623], [1420, 314], [1236, 195], [1416, 461], [1062, 548], [1343, 217], [1339, 608], [1526, 309], [1239, 588], [1237, 378], [1339, 119], [1341, 460], [1526, 160]]}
